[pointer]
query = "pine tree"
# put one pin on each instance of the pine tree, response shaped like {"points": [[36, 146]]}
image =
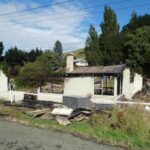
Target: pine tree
{"points": [[58, 48], [92, 52], [110, 42]]}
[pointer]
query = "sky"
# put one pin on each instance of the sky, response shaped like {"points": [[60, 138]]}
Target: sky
{"points": [[64, 20]]}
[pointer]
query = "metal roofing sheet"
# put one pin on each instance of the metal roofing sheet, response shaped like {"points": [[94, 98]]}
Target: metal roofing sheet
{"points": [[98, 70]]}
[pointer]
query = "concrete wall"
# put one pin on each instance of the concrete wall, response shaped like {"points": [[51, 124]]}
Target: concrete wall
{"points": [[50, 97], [19, 96], [12, 95], [3, 82], [130, 88], [79, 86]]}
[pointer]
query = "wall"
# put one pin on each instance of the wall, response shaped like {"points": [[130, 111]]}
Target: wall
{"points": [[3, 82], [129, 89], [50, 97], [79, 86]]}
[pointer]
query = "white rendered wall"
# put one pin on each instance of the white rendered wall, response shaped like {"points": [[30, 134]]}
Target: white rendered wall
{"points": [[79, 86], [129, 89], [3, 82], [50, 97]]}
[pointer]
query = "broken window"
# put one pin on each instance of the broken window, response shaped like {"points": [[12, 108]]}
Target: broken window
{"points": [[104, 85], [131, 77]]}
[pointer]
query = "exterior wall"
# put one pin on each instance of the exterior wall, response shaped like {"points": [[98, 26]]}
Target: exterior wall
{"points": [[129, 89], [12, 96], [50, 97], [79, 86], [3, 82]]}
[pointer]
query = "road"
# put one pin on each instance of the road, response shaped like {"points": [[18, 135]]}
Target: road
{"points": [[15, 136]]}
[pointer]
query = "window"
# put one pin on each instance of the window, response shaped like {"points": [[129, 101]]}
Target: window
{"points": [[131, 77]]}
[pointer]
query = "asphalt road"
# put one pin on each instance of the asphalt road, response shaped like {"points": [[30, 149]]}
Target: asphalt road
{"points": [[15, 136]]}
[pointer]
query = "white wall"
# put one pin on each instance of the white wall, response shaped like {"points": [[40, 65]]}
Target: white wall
{"points": [[50, 97], [3, 82], [79, 86], [129, 89]]}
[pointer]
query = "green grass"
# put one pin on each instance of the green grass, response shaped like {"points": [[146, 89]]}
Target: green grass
{"points": [[97, 128]]}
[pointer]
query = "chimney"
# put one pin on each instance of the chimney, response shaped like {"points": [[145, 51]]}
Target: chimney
{"points": [[70, 62]]}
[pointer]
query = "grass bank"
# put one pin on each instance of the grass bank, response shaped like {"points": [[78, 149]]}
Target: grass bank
{"points": [[128, 126]]}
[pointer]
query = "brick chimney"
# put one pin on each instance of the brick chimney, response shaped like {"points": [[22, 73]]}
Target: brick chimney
{"points": [[70, 62]]}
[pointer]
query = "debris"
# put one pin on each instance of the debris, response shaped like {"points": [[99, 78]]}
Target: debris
{"points": [[4, 114], [47, 115], [62, 111], [77, 112], [62, 120], [80, 117], [147, 108], [37, 113]]}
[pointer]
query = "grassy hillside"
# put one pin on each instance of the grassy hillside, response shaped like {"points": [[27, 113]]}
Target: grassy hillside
{"points": [[79, 53]]}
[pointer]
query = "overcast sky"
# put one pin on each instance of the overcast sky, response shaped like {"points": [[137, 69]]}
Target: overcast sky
{"points": [[66, 22]]}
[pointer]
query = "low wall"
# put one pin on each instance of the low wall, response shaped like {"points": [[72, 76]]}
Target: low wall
{"points": [[12, 96], [58, 98], [19, 96]]}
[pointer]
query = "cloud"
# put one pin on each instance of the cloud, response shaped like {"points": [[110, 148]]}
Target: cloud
{"points": [[41, 28]]}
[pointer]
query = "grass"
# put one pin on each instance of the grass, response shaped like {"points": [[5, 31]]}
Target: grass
{"points": [[129, 126]]}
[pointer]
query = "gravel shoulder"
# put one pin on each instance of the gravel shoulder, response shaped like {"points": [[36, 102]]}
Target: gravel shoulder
{"points": [[14, 136]]}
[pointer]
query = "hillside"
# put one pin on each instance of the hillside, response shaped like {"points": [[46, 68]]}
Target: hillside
{"points": [[79, 53]]}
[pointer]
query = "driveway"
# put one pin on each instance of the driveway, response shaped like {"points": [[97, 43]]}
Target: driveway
{"points": [[15, 136]]}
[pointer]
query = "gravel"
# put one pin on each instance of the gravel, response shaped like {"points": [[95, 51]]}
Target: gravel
{"points": [[15, 136]]}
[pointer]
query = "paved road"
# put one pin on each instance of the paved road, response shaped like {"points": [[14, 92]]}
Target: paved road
{"points": [[18, 137]]}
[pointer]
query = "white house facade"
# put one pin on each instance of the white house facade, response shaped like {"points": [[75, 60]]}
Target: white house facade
{"points": [[103, 83]]}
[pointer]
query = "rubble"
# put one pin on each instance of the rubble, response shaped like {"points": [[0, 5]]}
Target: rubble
{"points": [[62, 111], [62, 120], [37, 113]]}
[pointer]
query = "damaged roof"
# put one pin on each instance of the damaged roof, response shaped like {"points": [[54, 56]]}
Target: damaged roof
{"points": [[114, 69]]}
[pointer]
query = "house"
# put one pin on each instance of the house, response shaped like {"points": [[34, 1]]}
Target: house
{"points": [[80, 62], [102, 83]]}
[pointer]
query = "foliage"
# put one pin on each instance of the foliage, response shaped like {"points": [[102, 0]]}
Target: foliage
{"points": [[32, 75], [14, 57], [35, 74], [49, 61], [33, 54], [1, 49], [110, 38], [137, 47], [58, 48], [137, 22], [93, 55]]}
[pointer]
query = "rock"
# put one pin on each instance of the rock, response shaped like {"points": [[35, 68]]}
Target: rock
{"points": [[62, 120]]}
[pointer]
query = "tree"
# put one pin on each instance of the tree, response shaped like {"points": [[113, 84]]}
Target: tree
{"points": [[49, 61], [58, 48], [31, 75], [1, 49], [92, 51], [110, 42], [15, 57], [138, 49], [33, 54], [136, 22], [35, 74]]}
